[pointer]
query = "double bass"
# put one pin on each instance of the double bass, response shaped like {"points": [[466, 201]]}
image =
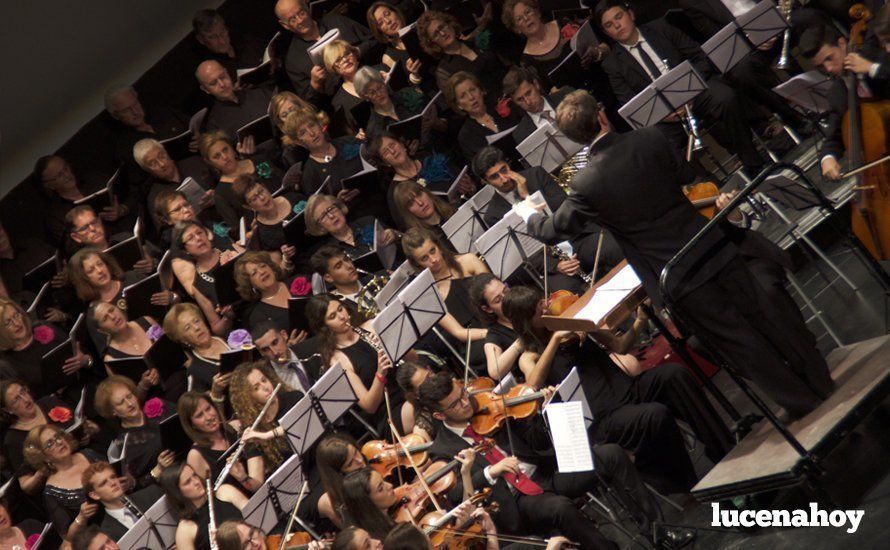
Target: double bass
{"points": [[866, 133]]}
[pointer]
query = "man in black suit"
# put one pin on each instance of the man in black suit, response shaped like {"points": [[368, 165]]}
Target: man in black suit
{"points": [[311, 82], [523, 85], [642, 54], [827, 49], [631, 185], [532, 495], [491, 167], [121, 511]]}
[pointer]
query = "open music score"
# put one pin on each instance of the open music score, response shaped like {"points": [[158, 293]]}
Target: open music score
{"points": [[608, 303]]}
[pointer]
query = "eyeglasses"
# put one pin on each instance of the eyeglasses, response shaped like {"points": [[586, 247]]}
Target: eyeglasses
{"points": [[327, 214], [93, 225], [180, 207], [256, 195], [464, 396], [339, 61], [525, 16], [439, 32], [297, 17], [52, 442], [13, 319], [190, 238]]}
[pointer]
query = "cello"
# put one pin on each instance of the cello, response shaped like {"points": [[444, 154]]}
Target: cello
{"points": [[866, 133]]}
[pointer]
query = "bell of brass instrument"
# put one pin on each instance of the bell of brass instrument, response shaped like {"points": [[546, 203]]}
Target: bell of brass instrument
{"points": [[365, 303], [692, 130], [784, 62]]}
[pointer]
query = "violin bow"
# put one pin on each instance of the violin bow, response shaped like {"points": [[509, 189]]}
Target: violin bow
{"points": [[392, 430], [417, 471], [865, 167], [290, 520], [467, 358]]}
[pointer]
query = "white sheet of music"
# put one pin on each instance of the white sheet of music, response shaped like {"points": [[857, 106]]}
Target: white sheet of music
{"points": [[569, 433], [609, 295]]}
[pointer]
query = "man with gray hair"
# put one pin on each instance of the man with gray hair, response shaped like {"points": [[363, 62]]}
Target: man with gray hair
{"points": [[165, 173], [632, 186], [230, 108]]}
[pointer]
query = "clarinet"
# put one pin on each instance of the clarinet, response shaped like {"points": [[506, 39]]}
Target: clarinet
{"points": [[234, 456], [367, 337], [212, 523], [561, 255]]}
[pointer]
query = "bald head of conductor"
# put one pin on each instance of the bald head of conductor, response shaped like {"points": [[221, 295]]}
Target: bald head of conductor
{"points": [[581, 118], [216, 81]]}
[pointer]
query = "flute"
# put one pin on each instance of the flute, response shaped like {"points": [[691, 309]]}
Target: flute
{"points": [[211, 527], [231, 461]]}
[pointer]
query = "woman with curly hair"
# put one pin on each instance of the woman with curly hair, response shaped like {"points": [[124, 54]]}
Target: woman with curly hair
{"points": [[205, 425], [261, 282], [219, 152], [249, 390], [186, 325], [50, 447], [332, 322], [135, 421], [23, 344], [439, 35], [187, 494]]}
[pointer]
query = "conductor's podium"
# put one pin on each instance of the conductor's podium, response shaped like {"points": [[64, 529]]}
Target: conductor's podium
{"points": [[764, 461]]}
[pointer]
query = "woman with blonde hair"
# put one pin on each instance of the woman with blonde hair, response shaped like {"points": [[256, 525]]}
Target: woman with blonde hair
{"points": [[219, 152], [186, 325], [281, 106], [249, 390], [343, 59], [51, 448]]}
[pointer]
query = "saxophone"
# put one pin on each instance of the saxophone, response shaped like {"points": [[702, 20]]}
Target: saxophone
{"points": [[785, 7]]}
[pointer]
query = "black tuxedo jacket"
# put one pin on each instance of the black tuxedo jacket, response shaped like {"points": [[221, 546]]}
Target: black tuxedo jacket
{"points": [[628, 78], [837, 102], [531, 443], [526, 126], [143, 499], [632, 187]]}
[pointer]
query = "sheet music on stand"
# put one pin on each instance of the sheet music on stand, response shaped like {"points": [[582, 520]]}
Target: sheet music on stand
{"points": [[570, 390], [762, 22], [788, 192], [809, 90], [727, 47], [610, 294], [548, 148], [468, 224], [413, 313], [155, 529], [507, 245], [276, 498], [645, 109], [331, 396], [397, 281], [569, 435], [680, 85]]}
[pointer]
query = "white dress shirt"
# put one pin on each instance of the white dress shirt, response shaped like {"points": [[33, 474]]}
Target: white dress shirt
{"points": [[540, 120], [653, 55], [120, 514]]}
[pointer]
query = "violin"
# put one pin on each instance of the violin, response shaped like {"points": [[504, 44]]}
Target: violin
{"points": [[703, 196], [559, 301], [492, 410], [298, 540], [468, 534], [439, 476], [384, 457], [866, 133], [480, 384]]}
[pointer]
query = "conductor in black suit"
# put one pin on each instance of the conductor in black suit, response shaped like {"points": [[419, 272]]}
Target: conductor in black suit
{"points": [[631, 185], [532, 495], [120, 511], [642, 54]]}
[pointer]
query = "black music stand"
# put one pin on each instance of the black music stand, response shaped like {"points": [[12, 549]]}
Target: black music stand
{"points": [[666, 94], [413, 313], [548, 148], [398, 279], [507, 245], [155, 529], [727, 47], [328, 399], [276, 499], [468, 223]]}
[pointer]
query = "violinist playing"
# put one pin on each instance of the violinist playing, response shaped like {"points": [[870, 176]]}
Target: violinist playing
{"points": [[532, 495], [827, 49], [633, 409]]}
